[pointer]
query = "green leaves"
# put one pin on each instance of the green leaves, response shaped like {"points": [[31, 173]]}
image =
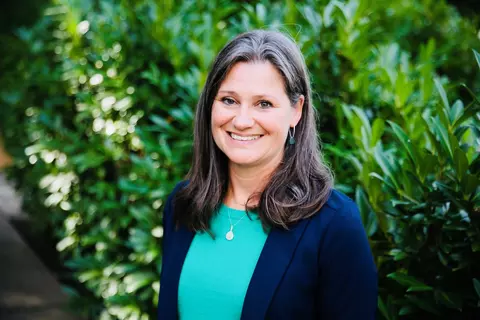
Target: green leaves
{"points": [[476, 285], [137, 280], [405, 141], [425, 165], [477, 57], [387, 165], [442, 135], [450, 300], [369, 219], [377, 131], [442, 112], [99, 119], [408, 281]]}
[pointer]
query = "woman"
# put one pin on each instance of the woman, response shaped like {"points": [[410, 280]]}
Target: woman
{"points": [[256, 231]]}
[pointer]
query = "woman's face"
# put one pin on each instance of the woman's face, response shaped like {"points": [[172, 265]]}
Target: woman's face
{"points": [[251, 115]]}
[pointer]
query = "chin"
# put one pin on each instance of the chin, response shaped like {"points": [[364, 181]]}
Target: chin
{"points": [[242, 160]]}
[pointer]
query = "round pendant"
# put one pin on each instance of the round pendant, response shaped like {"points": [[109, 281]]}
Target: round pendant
{"points": [[229, 235]]}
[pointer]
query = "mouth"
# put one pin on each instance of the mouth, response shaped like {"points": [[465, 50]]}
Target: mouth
{"points": [[237, 137]]}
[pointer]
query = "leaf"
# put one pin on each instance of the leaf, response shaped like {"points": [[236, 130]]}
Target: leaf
{"points": [[181, 115], [313, 18], [88, 160], [161, 123], [166, 150], [469, 112], [153, 75], [460, 131], [142, 213], [461, 163], [469, 184], [138, 280], [446, 104], [477, 57], [476, 247], [368, 217], [386, 166], [383, 308], [404, 140], [476, 283], [442, 134], [261, 12], [364, 119], [451, 300], [406, 310], [387, 309], [419, 288], [433, 139], [131, 187], [427, 164], [398, 254], [377, 131], [408, 281], [456, 111], [403, 89], [89, 275], [355, 162], [122, 269], [442, 258], [328, 12], [423, 304], [379, 177]]}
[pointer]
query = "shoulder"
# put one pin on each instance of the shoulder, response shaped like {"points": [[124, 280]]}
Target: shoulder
{"points": [[340, 202], [338, 208], [180, 185], [170, 200], [342, 230], [338, 226], [346, 266]]}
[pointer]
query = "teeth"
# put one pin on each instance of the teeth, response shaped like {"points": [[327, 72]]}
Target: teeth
{"points": [[240, 138]]}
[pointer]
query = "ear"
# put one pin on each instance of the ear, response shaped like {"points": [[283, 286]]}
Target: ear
{"points": [[297, 111]]}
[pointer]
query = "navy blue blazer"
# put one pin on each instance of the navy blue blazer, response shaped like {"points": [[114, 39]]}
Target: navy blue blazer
{"points": [[322, 268]]}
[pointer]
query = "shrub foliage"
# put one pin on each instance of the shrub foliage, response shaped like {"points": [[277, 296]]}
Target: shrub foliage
{"points": [[97, 101]]}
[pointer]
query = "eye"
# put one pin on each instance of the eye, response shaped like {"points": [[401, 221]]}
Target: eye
{"points": [[228, 101], [264, 104]]}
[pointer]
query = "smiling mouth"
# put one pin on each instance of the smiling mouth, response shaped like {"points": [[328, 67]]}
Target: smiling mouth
{"points": [[244, 138]]}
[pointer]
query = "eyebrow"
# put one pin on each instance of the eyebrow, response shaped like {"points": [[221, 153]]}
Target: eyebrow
{"points": [[258, 96]]}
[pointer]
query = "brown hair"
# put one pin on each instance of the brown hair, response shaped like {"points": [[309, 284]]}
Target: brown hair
{"points": [[299, 186]]}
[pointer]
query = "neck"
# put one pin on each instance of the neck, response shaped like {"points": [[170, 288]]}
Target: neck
{"points": [[246, 181]]}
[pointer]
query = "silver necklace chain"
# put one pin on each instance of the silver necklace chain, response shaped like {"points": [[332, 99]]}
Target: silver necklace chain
{"points": [[230, 235]]}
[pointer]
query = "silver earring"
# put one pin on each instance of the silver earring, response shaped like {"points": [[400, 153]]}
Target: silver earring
{"points": [[292, 136]]}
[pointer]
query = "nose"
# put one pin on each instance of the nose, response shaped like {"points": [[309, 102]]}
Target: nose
{"points": [[243, 120]]}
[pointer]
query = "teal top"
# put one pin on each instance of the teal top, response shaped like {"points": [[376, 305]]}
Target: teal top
{"points": [[216, 272]]}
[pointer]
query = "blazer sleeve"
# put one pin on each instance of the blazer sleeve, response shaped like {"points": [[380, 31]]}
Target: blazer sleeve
{"points": [[168, 220], [348, 275]]}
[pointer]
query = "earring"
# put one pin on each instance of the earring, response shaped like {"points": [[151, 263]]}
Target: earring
{"points": [[292, 136]]}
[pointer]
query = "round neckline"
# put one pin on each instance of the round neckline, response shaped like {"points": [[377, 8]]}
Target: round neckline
{"points": [[236, 213], [223, 205]]}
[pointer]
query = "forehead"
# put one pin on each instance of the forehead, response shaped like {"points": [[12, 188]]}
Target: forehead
{"points": [[254, 78]]}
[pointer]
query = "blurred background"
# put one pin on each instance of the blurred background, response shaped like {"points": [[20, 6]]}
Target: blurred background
{"points": [[96, 105]]}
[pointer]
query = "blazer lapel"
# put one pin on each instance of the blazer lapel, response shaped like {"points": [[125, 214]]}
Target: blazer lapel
{"points": [[182, 238], [271, 266]]}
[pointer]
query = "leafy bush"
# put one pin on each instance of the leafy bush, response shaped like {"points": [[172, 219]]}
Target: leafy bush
{"points": [[97, 114], [420, 183]]}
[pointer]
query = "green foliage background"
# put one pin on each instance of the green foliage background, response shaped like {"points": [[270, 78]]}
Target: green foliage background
{"points": [[97, 101]]}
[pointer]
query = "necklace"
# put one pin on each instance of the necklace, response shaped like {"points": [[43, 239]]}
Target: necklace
{"points": [[229, 235]]}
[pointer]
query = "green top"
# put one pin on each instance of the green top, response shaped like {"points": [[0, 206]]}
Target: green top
{"points": [[216, 272]]}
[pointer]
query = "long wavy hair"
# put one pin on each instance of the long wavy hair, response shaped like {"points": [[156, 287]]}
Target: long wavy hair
{"points": [[302, 182]]}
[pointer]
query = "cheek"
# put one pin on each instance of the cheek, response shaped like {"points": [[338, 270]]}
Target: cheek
{"points": [[219, 117], [276, 123]]}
